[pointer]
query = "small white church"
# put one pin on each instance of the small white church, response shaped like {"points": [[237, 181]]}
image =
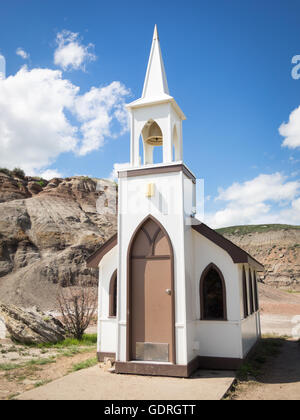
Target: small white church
{"points": [[174, 295]]}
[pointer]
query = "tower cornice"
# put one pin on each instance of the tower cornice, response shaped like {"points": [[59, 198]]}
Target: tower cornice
{"points": [[140, 103]]}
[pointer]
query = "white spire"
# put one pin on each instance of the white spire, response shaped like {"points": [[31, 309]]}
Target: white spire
{"points": [[156, 89], [156, 84], [155, 35]]}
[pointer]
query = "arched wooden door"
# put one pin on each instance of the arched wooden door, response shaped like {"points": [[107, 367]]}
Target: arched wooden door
{"points": [[151, 295]]}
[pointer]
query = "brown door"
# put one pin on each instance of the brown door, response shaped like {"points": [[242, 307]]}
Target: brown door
{"points": [[151, 295]]}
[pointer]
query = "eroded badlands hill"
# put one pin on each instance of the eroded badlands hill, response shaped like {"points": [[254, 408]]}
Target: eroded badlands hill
{"points": [[47, 230], [276, 246]]}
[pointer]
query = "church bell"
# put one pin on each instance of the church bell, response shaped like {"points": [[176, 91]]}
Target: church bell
{"points": [[154, 137]]}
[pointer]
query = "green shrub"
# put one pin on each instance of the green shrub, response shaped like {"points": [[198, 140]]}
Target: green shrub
{"points": [[41, 383], [87, 341], [19, 173], [41, 362], [84, 365], [8, 366], [5, 171]]}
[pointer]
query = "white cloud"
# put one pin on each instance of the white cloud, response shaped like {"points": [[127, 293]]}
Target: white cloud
{"points": [[43, 115], [70, 53], [291, 130], [118, 167], [49, 174], [260, 189], [96, 110], [254, 201], [23, 54], [292, 214]]}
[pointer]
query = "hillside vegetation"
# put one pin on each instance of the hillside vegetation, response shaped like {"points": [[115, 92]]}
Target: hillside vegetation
{"points": [[246, 229]]}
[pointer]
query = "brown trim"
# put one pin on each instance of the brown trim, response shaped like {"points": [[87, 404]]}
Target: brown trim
{"points": [[205, 272], [154, 242], [157, 170], [102, 355], [237, 254], [152, 257], [128, 329], [94, 260], [147, 235], [184, 371], [181, 371], [112, 295], [192, 366], [157, 369], [188, 173], [219, 363]]}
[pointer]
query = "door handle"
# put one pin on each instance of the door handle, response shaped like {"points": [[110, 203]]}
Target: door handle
{"points": [[168, 292]]}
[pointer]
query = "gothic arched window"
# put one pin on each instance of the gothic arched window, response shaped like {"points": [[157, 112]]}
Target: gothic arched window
{"points": [[256, 298], [113, 296], [213, 294], [251, 293], [245, 294]]}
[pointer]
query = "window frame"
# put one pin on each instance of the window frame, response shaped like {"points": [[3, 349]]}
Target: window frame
{"points": [[251, 297], [256, 293], [210, 267], [245, 294], [113, 295]]}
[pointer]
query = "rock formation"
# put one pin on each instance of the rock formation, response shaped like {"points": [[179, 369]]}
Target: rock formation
{"points": [[47, 231], [275, 246], [31, 327]]}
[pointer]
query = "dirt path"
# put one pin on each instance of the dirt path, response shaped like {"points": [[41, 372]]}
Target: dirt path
{"points": [[278, 302], [281, 325], [280, 379], [97, 384], [16, 381]]}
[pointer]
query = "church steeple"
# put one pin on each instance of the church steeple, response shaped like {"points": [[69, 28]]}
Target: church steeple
{"points": [[155, 117], [156, 85]]}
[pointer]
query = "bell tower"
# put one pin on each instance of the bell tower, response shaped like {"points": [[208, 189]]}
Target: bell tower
{"points": [[155, 202], [156, 119]]}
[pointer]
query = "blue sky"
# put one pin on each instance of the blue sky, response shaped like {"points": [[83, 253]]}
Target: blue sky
{"points": [[228, 65]]}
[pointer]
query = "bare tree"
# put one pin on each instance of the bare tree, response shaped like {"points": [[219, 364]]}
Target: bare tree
{"points": [[78, 305]]}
